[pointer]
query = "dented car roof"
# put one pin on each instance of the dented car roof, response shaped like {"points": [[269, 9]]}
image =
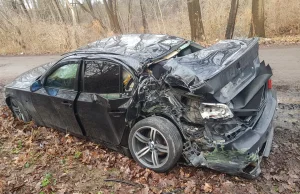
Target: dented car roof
{"points": [[139, 46]]}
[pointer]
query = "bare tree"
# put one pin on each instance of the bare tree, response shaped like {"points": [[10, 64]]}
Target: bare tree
{"points": [[74, 22], [154, 10], [71, 8], [161, 16], [257, 27], [59, 10], [144, 21], [14, 6], [197, 29], [21, 2], [47, 10], [111, 10], [129, 15], [89, 9], [231, 19], [4, 22]]}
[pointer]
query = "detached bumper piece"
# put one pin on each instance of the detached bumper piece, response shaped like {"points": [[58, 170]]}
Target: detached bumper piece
{"points": [[241, 155]]}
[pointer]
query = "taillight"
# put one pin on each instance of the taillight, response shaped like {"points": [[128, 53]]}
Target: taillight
{"points": [[269, 84]]}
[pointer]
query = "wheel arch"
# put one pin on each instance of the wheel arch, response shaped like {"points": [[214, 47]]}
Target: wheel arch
{"points": [[163, 116], [174, 122], [8, 101]]}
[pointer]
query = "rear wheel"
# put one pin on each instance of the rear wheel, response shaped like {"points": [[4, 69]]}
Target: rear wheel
{"points": [[19, 111], [155, 143]]}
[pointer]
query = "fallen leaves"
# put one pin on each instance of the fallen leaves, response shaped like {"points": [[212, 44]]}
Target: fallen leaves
{"points": [[207, 188], [38, 159], [190, 187]]}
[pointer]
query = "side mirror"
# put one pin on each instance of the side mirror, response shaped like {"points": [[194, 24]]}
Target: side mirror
{"points": [[36, 86]]}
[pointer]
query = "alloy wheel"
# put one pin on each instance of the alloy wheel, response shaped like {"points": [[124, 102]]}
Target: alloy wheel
{"points": [[17, 111], [150, 147]]}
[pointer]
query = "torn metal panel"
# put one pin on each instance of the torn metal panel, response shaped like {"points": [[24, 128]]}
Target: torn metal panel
{"points": [[230, 145], [200, 71], [240, 154]]}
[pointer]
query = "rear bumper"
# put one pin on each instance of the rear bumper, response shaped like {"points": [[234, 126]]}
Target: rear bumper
{"points": [[241, 156], [252, 146]]}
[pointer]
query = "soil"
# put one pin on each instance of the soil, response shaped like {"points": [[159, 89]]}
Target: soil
{"points": [[42, 160]]}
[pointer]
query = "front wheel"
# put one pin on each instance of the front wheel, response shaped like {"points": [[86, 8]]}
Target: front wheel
{"points": [[19, 111], [155, 143]]}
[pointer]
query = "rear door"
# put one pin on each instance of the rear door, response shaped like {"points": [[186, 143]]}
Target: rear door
{"points": [[55, 102], [99, 103]]}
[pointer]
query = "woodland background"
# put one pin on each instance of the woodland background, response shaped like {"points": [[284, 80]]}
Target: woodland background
{"points": [[42, 160], [56, 26]]}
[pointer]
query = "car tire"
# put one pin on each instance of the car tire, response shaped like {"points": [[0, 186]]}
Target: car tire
{"points": [[19, 111], [155, 143]]}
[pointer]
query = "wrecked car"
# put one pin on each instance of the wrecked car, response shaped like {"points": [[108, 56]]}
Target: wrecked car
{"points": [[159, 99]]}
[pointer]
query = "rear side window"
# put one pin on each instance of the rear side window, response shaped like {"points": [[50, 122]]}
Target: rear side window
{"points": [[101, 77], [64, 77]]}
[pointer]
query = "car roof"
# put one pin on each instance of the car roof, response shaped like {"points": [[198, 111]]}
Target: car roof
{"points": [[141, 47]]}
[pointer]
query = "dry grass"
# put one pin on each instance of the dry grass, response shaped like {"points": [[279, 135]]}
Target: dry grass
{"points": [[39, 37], [43, 37]]}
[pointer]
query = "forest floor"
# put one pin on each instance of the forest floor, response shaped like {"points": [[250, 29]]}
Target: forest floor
{"points": [[42, 160]]}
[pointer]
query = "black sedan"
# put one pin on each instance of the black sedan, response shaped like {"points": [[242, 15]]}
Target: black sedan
{"points": [[158, 98]]}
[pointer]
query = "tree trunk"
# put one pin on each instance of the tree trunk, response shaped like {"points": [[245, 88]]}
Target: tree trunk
{"points": [[197, 29], [111, 10], [25, 9], [231, 19], [258, 19], [129, 15], [52, 10], [61, 15], [14, 6], [74, 40], [154, 10], [144, 21], [90, 10], [71, 8], [161, 16]]}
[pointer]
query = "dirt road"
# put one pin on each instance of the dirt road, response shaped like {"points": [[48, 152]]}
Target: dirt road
{"points": [[280, 172]]}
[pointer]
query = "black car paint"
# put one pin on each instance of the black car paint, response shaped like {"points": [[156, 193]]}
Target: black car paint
{"points": [[90, 115]]}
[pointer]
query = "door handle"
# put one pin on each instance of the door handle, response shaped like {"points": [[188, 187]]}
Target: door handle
{"points": [[66, 103], [116, 114]]}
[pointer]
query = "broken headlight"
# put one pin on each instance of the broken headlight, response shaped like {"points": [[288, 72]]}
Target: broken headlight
{"points": [[215, 111]]}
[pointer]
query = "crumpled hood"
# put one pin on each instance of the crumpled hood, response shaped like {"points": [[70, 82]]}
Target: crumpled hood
{"points": [[193, 70], [26, 79]]}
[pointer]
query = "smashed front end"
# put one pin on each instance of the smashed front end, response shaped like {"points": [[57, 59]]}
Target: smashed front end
{"points": [[222, 101]]}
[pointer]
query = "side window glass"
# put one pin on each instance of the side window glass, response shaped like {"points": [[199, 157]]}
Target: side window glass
{"points": [[64, 77], [102, 77]]}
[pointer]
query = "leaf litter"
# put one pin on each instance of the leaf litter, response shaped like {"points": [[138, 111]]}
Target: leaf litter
{"points": [[43, 160]]}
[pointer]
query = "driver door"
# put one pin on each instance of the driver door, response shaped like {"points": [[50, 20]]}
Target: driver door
{"points": [[55, 102]]}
